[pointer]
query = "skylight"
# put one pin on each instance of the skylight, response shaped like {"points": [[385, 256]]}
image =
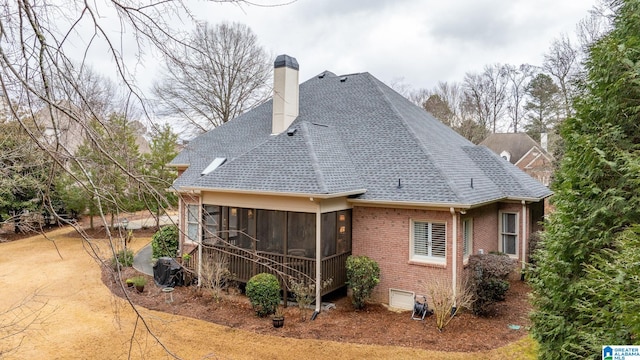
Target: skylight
{"points": [[214, 165]]}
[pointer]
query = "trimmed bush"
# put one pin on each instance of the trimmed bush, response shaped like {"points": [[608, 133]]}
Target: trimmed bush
{"points": [[488, 280], [124, 258], [263, 290], [164, 242], [363, 274]]}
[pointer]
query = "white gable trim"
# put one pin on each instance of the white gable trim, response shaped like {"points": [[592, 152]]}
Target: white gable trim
{"points": [[534, 148]]}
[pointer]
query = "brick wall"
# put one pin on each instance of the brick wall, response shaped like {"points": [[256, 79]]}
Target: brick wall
{"points": [[485, 228], [383, 234]]}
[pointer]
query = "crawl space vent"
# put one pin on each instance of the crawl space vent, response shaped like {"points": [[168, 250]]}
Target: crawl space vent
{"points": [[401, 299]]}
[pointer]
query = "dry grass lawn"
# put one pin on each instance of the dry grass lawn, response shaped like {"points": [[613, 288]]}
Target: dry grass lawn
{"points": [[79, 318]]}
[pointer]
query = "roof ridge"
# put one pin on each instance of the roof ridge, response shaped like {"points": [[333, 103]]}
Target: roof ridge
{"points": [[395, 110], [315, 163]]}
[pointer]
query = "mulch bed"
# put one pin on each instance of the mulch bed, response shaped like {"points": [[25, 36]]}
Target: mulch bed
{"points": [[373, 325]]}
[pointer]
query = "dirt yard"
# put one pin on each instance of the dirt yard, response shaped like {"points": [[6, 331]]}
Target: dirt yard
{"points": [[75, 316]]}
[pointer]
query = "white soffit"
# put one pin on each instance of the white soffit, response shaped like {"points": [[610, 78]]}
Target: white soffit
{"points": [[214, 165]]}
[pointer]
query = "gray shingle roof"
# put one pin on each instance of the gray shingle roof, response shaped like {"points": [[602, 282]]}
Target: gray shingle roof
{"points": [[355, 136]]}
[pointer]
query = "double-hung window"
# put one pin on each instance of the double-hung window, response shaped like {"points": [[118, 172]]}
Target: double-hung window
{"points": [[467, 237], [428, 242], [509, 233], [192, 222]]}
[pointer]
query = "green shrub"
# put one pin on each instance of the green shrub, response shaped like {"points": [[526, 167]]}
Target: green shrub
{"points": [[139, 280], [363, 274], [488, 280], [123, 257], [263, 290], [164, 242]]}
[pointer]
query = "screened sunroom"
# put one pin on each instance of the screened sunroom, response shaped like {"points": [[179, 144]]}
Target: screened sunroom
{"points": [[284, 243]]}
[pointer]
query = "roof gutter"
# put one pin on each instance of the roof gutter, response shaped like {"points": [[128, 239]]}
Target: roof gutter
{"points": [[409, 204], [275, 193], [447, 206]]}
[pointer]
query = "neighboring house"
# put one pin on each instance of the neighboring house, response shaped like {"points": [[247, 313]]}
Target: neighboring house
{"points": [[524, 152], [343, 165]]}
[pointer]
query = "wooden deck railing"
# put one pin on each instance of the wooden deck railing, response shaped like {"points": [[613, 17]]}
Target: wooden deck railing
{"points": [[244, 264]]}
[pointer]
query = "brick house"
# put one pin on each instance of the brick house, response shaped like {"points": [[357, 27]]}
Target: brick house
{"points": [[342, 165], [524, 152]]}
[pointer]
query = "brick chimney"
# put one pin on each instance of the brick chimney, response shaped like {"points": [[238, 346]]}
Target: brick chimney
{"points": [[285, 93], [544, 142]]}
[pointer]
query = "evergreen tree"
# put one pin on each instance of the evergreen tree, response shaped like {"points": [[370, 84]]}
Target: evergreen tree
{"points": [[109, 157], [24, 171], [159, 175], [597, 200], [542, 105]]}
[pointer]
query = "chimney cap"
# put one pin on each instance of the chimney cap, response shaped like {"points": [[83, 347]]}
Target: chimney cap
{"points": [[286, 61]]}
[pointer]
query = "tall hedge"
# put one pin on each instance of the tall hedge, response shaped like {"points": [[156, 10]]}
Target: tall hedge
{"points": [[582, 296]]}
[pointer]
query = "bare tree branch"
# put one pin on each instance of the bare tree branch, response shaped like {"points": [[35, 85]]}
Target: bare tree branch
{"points": [[221, 73]]}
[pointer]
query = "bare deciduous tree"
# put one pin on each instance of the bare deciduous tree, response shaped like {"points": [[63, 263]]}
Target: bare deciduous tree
{"points": [[220, 73], [519, 78], [26, 316], [595, 25], [444, 103], [561, 62], [475, 98], [44, 68], [486, 94]]}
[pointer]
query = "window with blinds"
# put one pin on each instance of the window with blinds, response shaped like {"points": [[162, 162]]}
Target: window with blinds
{"points": [[467, 237], [429, 242]]}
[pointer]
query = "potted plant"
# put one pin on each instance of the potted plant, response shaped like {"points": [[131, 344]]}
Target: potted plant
{"points": [[278, 318], [129, 282], [139, 282]]}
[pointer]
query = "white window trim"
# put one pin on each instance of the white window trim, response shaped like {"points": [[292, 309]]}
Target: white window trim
{"points": [[426, 259], [469, 221], [517, 233]]}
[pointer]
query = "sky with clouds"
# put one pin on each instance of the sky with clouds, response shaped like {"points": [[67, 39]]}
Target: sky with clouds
{"points": [[419, 41]]}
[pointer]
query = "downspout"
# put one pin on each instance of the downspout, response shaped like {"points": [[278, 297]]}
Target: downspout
{"points": [[200, 234], [524, 234], [318, 263], [454, 253], [182, 224]]}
